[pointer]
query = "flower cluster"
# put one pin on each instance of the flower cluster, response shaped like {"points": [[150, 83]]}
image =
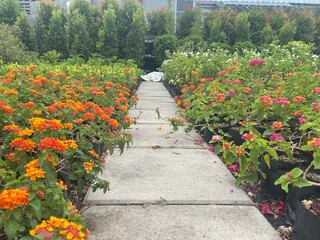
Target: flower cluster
{"points": [[61, 226], [11, 198], [33, 171], [88, 166]]}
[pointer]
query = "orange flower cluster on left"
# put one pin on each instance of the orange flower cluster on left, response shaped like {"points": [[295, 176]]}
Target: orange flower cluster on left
{"points": [[33, 171], [11, 198]]}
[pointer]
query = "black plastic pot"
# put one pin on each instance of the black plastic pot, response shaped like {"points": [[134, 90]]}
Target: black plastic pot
{"points": [[307, 225], [98, 148], [235, 135], [277, 168], [293, 199]]}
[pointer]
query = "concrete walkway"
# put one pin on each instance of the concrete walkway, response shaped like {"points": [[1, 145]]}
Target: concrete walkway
{"points": [[167, 185]]}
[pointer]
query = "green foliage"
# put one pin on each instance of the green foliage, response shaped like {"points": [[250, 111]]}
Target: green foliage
{"points": [[228, 17], [108, 42], [27, 32], [84, 8], [287, 32], [125, 22], [11, 48], [42, 22], [186, 21], [277, 19], [214, 29], [257, 22], [305, 26], [135, 46], [161, 21], [9, 11], [80, 42], [267, 35], [162, 44], [57, 34], [242, 27]]}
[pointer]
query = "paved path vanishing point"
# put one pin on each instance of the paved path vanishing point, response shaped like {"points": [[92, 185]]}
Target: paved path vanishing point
{"points": [[167, 185]]}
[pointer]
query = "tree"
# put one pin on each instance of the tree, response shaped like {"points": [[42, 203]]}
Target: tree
{"points": [[228, 17], [257, 22], [108, 43], [9, 11], [27, 35], [57, 34], [125, 22], [185, 23], [135, 45], [287, 32], [267, 35], [277, 18], [242, 27], [11, 48], [162, 44], [42, 22], [83, 7], [161, 21], [306, 23], [80, 42], [214, 29]]}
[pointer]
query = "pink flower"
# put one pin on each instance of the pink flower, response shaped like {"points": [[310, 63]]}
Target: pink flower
{"points": [[222, 73], [248, 136], [232, 92], [236, 82], [211, 148], [265, 209], [234, 168], [256, 62], [302, 120], [316, 106], [215, 138], [209, 79], [282, 101], [247, 90], [298, 99], [297, 114], [276, 137], [316, 90]]}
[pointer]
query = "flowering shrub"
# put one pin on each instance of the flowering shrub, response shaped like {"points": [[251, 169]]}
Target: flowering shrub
{"points": [[56, 126], [271, 97]]}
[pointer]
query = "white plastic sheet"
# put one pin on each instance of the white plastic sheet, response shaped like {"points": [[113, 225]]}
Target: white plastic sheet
{"points": [[152, 77]]}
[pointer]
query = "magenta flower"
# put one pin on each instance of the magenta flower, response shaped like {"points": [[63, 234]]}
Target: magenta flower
{"points": [[211, 148], [282, 101], [302, 120], [232, 92], [276, 137], [247, 90], [234, 168], [316, 90], [222, 73], [209, 79], [256, 62], [236, 82]]}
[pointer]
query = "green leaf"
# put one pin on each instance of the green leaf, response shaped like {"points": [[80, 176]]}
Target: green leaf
{"points": [[316, 161], [302, 182], [11, 227], [268, 132], [51, 173], [272, 152], [36, 205], [306, 148], [297, 172], [217, 148], [267, 160]]}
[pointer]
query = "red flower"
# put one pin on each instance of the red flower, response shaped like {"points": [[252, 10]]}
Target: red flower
{"points": [[256, 62], [88, 116], [52, 143]]}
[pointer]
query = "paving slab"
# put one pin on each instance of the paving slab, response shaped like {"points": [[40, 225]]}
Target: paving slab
{"points": [[154, 105], [142, 94], [178, 223], [180, 176], [162, 135], [157, 99], [151, 117]]}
